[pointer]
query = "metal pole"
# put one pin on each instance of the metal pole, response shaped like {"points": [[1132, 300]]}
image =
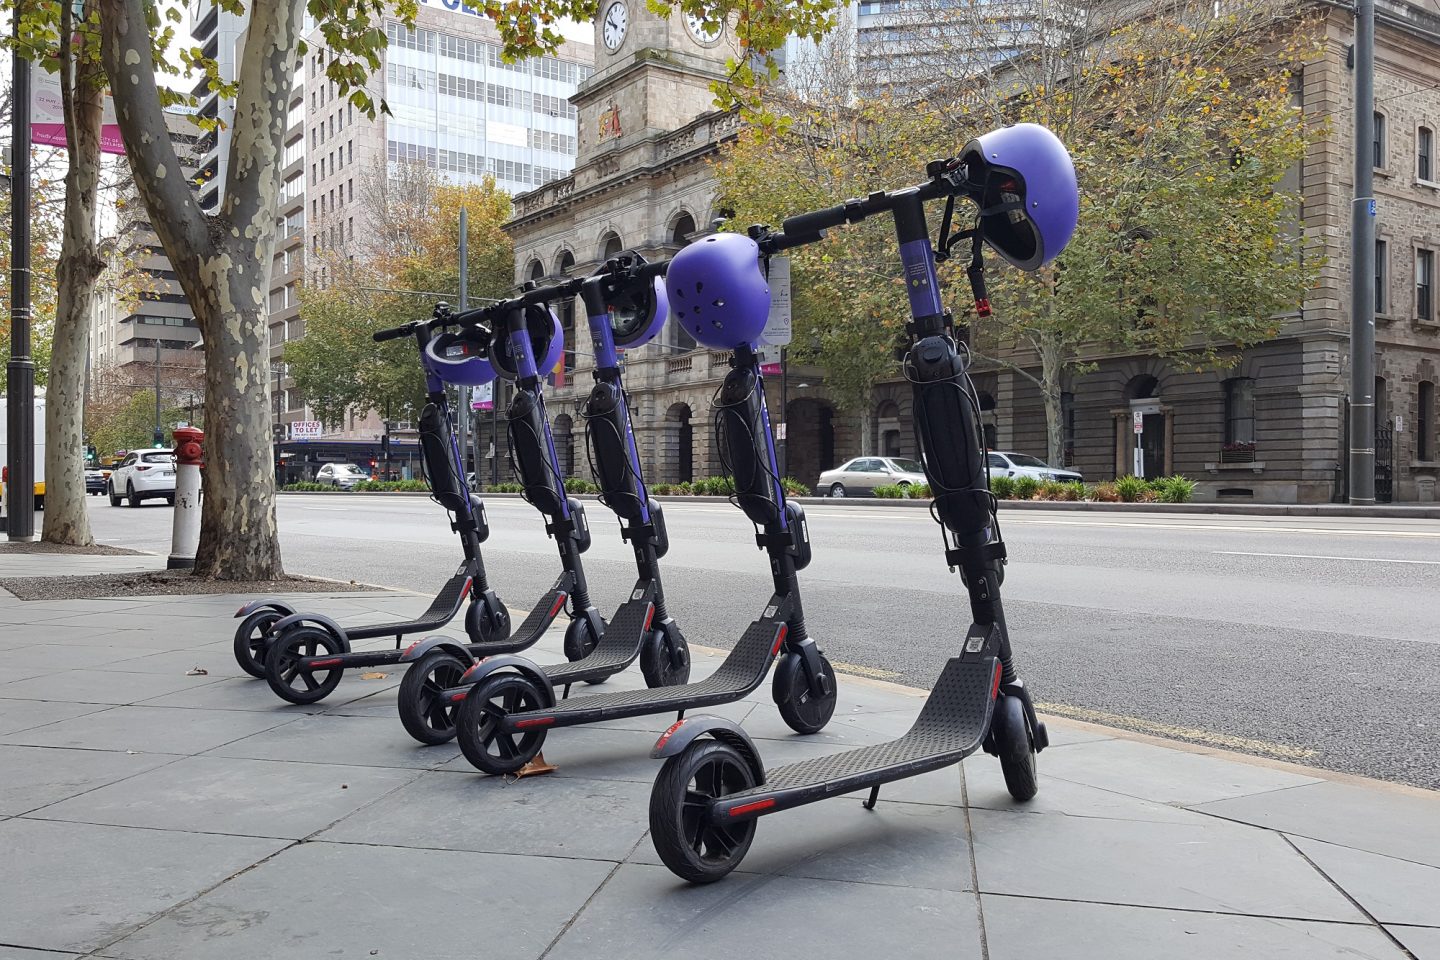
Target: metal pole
{"points": [[159, 433], [1362, 265], [784, 443], [20, 386], [495, 433], [463, 409]]}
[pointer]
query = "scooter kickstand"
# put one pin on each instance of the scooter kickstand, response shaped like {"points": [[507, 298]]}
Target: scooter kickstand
{"points": [[565, 694], [869, 803]]}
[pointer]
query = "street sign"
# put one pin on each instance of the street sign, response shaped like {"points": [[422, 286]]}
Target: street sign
{"points": [[1139, 420], [778, 326], [780, 431], [483, 397], [1399, 424], [305, 430], [769, 356]]}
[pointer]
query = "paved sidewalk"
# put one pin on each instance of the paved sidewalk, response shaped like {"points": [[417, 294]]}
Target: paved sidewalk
{"points": [[148, 814]]}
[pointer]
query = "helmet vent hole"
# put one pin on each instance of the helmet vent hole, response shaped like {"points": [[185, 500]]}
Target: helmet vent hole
{"points": [[717, 324], [718, 302], [699, 285]]}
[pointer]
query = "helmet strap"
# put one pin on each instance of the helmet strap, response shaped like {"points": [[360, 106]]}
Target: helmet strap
{"points": [[976, 273]]}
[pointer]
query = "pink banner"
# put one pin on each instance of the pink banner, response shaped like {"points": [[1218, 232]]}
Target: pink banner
{"points": [[770, 369], [53, 134]]}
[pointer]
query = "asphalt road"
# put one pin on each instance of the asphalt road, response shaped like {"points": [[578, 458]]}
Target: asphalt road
{"points": [[1313, 640]]}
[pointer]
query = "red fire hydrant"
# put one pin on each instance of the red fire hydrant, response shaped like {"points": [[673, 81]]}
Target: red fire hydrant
{"points": [[185, 533]]}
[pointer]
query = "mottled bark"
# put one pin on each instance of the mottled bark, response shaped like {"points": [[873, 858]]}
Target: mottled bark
{"points": [[223, 264], [1049, 384], [78, 268]]}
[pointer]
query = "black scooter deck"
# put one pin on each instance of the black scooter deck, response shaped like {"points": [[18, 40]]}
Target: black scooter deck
{"points": [[441, 611], [951, 726], [618, 647], [743, 670]]}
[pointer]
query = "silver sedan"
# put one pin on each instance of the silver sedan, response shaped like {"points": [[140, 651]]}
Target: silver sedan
{"points": [[863, 474]]}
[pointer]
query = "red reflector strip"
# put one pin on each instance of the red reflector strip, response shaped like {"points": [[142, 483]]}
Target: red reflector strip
{"points": [[465, 591], [534, 722], [559, 602], [982, 307], [995, 684], [457, 697], [669, 733], [410, 648], [745, 808], [317, 664], [649, 616], [780, 638]]}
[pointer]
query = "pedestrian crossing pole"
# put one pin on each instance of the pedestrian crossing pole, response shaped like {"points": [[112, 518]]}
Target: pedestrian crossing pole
{"points": [[1362, 265]]}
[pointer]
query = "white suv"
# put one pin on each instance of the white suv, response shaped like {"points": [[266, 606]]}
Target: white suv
{"points": [[1005, 464], [343, 476], [144, 475]]}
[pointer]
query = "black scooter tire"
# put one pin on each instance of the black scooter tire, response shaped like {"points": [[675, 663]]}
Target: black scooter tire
{"points": [[476, 724], [482, 627], [658, 655], [250, 644], [300, 641], [421, 713], [1011, 737], [801, 711], [717, 770]]}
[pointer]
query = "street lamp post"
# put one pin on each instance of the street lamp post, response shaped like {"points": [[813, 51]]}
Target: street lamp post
{"points": [[20, 385]]}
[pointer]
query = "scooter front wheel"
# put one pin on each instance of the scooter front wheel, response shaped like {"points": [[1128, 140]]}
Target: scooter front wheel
{"points": [[485, 624], [423, 710], [250, 641], [693, 846], [485, 743], [665, 658], [1011, 737], [800, 708], [288, 678]]}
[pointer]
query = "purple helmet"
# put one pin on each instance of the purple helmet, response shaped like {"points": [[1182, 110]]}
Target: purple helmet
{"points": [[1029, 203], [638, 312], [547, 340], [718, 293], [457, 360]]}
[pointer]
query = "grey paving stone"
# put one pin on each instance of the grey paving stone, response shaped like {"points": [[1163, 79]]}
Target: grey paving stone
{"points": [[25, 714], [20, 953], [1393, 891], [250, 694], [1423, 942], [538, 816], [1018, 928], [1162, 774], [986, 785], [896, 844], [75, 886], [256, 798], [356, 741], [55, 657], [334, 900], [1391, 823], [1214, 867], [216, 664], [36, 776], [101, 686], [149, 730], [16, 674], [647, 913]]}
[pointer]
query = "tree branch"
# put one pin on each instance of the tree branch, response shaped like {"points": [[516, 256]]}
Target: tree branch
{"points": [[1010, 365], [127, 54]]}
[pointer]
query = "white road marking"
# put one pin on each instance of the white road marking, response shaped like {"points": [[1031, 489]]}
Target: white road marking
{"points": [[1307, 556]]}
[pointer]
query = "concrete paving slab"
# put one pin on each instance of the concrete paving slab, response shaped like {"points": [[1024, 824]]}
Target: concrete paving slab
{"points": [[1395, 824], [74, 887], [9, 675], [536, 816], [100, 686], [216, 664], [355, 741], [1212, 867], [17, 953], [1392, 891], [1019, 928], [54, 657], [1422, 942], [1164, 775], [909, 845], [327, 899], [254, 798], [36, 776], [149, 729], [249, 694], [16, 715], [986, 786], [646, 913]]}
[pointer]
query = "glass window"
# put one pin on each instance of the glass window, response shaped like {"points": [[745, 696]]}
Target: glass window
{"points": [[1425, 422], [1377, 144], [1424, 284], [1424, 150], [1240, 410], [998, 462], [1022, 460], [1382, 288], [907, 466]]}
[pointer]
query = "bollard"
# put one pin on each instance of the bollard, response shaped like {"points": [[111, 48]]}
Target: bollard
{"points": [[189, 458]]}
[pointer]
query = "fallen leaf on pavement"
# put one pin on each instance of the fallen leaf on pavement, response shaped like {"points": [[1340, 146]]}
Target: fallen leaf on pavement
{"points": [[197, 672], [374, 676]]}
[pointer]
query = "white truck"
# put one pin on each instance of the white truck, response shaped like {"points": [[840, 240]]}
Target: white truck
{"points": [[39, 451]]}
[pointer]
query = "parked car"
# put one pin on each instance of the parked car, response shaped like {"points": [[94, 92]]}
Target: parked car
{"points": [[143, 475], [864, 474], [96, 480], [342, 476], [1004, 464]]}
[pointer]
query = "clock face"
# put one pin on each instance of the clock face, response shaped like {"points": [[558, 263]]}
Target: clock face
{"points": [[703, 34], [615, 24]]}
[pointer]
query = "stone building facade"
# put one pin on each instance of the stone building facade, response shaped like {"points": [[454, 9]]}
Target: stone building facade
{"points": [[1271, 427]]}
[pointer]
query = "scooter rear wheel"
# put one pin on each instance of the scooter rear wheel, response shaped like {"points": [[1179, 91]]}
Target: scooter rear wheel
{"points": [[693, 847], [282, 664], [485, 744], [801, 710], [1011, 738], [423, 710], [250, 643]]}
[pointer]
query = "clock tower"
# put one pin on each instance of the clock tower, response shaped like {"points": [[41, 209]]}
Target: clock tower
{"points": [[652, 75]]}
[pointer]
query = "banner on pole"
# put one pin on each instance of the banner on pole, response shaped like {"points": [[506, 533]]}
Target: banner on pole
{"points": [[778, 325], [47, 115], [483, 397]]}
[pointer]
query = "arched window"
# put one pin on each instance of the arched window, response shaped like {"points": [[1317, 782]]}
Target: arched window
{"points": [[1239, 410], [1425, 422], [536, 270], [684, 226], [611, 246]]}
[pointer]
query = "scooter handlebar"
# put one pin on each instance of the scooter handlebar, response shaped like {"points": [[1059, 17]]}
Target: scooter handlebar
{"points": [[395, 333]]}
